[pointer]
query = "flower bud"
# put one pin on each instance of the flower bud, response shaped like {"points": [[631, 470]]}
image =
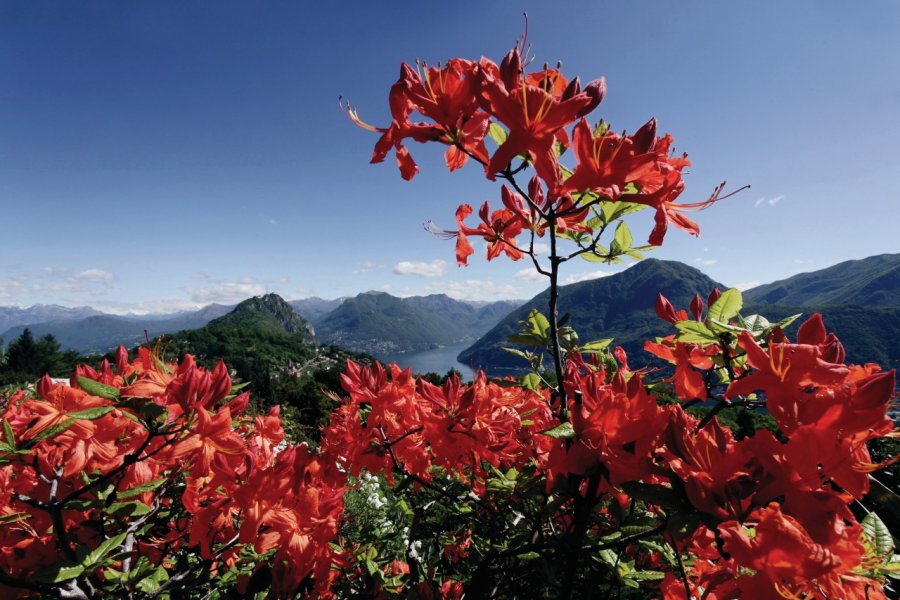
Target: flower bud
{"points": [[645, 138], [573, 89], [511, 68], [697, 307], [596, 90]]}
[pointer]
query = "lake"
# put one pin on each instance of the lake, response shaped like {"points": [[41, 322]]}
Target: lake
{"points": [[439, 360]]}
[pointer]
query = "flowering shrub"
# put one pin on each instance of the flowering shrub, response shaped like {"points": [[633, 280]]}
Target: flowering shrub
{"points": [[582, 479], [149, 479]]}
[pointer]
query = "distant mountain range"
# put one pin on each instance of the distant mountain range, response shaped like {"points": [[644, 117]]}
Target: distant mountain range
{"points": [[859, 300], [12, 316], [381, 324], [372, 322], [873, 281], [99, 332]]}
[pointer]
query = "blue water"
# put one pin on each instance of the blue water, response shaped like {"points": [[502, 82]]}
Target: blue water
{"points": [[439, 360]]}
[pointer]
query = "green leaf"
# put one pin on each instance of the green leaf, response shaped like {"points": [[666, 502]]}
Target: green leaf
{"points": [[524, 339], [127, 509], [601, 254], [878, 532], [623, 236], [528, 556], [726, 306], [497, 133], [95, 388], [756, 323], [50, 432], [90, 414], [648, 575], [152, 583], [59, 572], [9, 435], [99, 553], [563, 431], [532, 381], [692, 332], [596, 346], [788, 320], [140, 489]]}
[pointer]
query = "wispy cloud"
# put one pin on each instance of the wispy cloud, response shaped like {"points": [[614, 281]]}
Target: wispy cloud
{"points": [[530, 275], [585, 276], [435, 268], [474, 289], [94, 276], [768, 201], [231, 292], [706, 262], [746, 285], [365, 266], [51, 283]]}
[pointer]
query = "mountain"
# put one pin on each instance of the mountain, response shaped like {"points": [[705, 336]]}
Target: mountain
{"points": [[314, 308], [260, 334], [270, 314], [267, 344], [100, 333], [12, 316], [873, 281], [381, 324], [619, 306]]}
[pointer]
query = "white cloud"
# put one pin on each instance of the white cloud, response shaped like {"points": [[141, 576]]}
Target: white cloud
{"points": [[746, 285], [95, 276], [542, 248], [273, 222], [585, 276], [474, 289], [435, 268], [529, 274], [158, 306], [49, 283], [768, 201], [227, 292], [706, 261]]}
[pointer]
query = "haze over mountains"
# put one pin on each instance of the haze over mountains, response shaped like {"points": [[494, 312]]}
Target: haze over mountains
{"points": [[859, 299]]}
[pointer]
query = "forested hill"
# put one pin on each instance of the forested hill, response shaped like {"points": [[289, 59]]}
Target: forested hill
{"points": [[619, 306], [872, 281]]}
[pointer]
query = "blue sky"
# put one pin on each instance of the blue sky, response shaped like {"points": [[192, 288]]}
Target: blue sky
{"points": [[162, 155]]}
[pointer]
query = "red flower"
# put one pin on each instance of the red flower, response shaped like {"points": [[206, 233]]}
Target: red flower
{"points": [[535, 109], [400, 129], [448, 96]]}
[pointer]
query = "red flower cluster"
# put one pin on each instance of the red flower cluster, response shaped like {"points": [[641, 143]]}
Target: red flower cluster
{"points": [[779, 510], [401, 423], [87, 468], [531, 112]]}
